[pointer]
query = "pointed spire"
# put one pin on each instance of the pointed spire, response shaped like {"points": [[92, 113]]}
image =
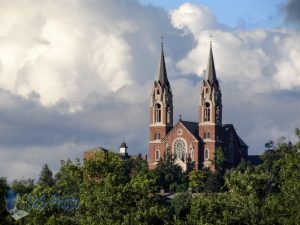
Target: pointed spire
{"points": [[162, 71], [211, 76]]}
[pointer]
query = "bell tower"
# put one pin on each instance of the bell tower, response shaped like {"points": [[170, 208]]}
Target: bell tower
{"points": [[161, 112], [210, 114]]}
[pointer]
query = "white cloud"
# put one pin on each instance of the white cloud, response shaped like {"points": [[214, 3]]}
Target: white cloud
{"points": [[269, 56], [63, 53], [76, 74], [193, 18]]}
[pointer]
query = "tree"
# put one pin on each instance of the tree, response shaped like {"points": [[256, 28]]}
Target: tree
{"points": [[107, 198], [113, 191], [285, 201], [55, 204], [138, 165], [69, 177], [46, 177], [215, 179], [190, 165], [220, 161], [181, 204], [23, 186], [169, 174], [206, 209], [3, 213], [197, 180], [104, 164]]}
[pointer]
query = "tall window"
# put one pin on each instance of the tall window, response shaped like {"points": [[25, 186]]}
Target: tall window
{"points": [[206, 154], [157, 113], [206, 112], [169, 115], [156, 136], [192, 154], [157, 155], [179, 149], [206, 135]]}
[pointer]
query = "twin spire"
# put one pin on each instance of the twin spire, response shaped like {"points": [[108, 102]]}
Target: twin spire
{"points": [[210, 75]]}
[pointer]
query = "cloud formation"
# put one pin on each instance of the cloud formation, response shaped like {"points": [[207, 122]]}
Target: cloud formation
{"points": [[76, 74]]}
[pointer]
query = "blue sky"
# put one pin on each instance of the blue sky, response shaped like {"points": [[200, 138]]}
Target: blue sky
{"points": [[250, 13]]}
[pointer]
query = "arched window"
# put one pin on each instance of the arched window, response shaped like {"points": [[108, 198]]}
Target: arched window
{"points": [[157, 155], [206, 135], [206, 112], [156, 136], [157, 91], [192, 154], [157, 113], [206, 154], [169, 115], [179, 149]]}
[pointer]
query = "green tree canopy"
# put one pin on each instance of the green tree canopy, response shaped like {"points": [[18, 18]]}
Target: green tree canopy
{"points": [[46, 176]]}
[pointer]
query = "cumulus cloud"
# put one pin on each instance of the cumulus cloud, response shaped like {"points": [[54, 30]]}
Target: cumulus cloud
{"points": [[78, 74], [69, 53], [244, 56]]}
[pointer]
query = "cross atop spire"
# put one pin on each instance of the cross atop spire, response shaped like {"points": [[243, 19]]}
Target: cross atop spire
{"points": [[162, 77]]}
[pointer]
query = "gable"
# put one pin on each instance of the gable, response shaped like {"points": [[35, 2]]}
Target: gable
{"points": [[184, 129]]}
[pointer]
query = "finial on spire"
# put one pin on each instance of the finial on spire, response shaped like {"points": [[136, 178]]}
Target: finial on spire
{"points": [[180, 117], [162, 41], [210, 39]]}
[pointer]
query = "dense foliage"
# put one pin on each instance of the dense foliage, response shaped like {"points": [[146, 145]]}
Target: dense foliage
{"points": [[116, 191]]}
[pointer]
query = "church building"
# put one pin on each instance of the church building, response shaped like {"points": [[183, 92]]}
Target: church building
{"points": [[196, 141]]}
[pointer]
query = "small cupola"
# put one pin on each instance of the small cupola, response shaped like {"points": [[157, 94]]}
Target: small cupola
{"points": [[123, 148]]}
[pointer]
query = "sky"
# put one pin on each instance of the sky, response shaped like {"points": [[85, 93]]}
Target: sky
{"points": [[235, 13], [81, 77]]}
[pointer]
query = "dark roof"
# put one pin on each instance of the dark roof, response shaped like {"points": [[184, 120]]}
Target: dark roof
{"points": [[162, 77], [123, 145], [254, 159], [227, 130], [101, 149], [242, 143], [211, 76], [192, 127]]}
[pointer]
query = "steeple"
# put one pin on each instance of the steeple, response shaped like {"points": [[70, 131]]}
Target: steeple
{"points": [[211, 76], [162, 77], [161, 112]]}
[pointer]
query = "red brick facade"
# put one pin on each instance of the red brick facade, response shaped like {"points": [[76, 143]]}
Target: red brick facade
{"points": [[195, 140]]}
